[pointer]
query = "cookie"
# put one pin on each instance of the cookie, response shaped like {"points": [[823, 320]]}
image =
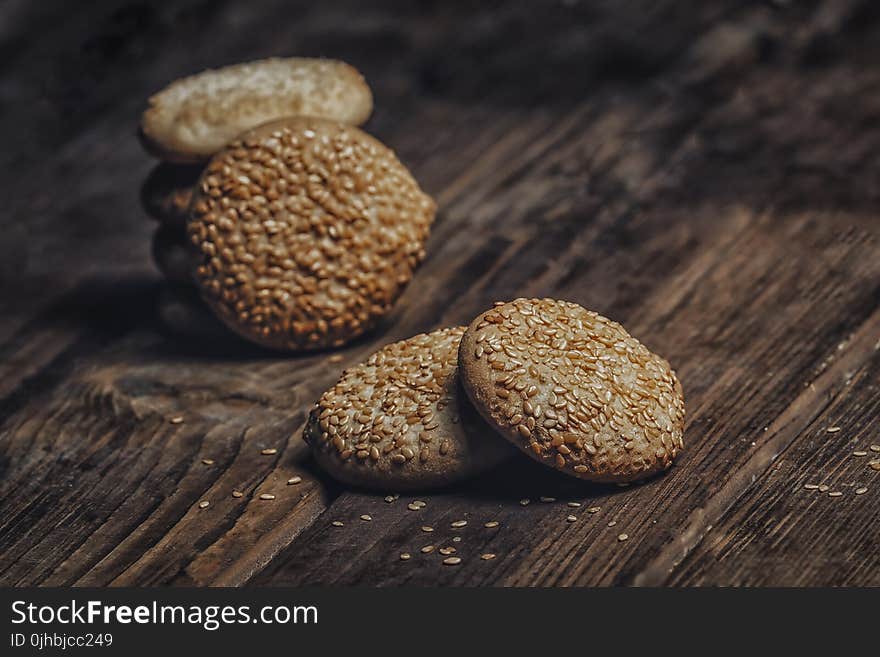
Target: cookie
{"points": [[167, 192], [194, 117], [306, 232], [171, 255], [573, 390], [400, 421], [183, 313]]}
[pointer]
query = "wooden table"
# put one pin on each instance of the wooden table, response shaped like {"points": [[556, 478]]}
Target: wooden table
{"points": [[705, 173]]}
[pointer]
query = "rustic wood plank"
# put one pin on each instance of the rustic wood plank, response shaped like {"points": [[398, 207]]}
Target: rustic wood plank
{"points": [[717, 199]]}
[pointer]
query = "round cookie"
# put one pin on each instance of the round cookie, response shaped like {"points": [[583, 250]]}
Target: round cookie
{"points": [[573, 390], [400, 421], [167, 192], [171, 255], [194, 117], [306, 232]]}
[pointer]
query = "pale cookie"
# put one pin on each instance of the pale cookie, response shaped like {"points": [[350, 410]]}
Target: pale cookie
{"points": [[307, 231], [573, 390], [194, 117], [167, 192], [400, 421]]}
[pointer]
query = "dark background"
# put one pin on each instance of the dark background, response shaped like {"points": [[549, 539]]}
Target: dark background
{"points": [[705, 173]]}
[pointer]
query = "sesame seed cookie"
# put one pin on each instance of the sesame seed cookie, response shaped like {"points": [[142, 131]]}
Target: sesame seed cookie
{"points": [[306, 231], [194, 117], [573, 390], [400, 421], [171, 255], [167, 192]]}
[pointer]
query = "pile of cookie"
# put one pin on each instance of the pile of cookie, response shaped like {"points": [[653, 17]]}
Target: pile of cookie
{"points": [[566, 386], [299, 231]]}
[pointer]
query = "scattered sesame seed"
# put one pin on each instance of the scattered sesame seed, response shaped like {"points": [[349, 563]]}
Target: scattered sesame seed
{"points": [[874, 465], [366, 517], [833, 429], [294, 480], [487, 557], [456, 539], [427, 528], [204, 504], [835, 493], [447, 550], [547, 500], [420, 504], [862, 490], [208, 461], [389, 498], [574, 505], [874, 448], [267, 496], [337, 523], [405, 556], [571, 519], [860, 452], [612, 523], [176, 420], [427, 549], [335, 358], [811, 486], [824, 488], [524, 501], [237, 493], [413, 507], [594, 509], [491, 524], [269, 451], [452, 561], [458, 523], [622, 537]]}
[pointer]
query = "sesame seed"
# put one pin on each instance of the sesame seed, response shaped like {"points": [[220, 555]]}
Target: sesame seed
{"points": [[366, 517], [547, 499], [456, 539], [525, 501], [491, 524], [405, 556], [860, 452], [176, 420], [208, 461], [447, 550], [204, 504], [594, 509], [237, 493], [389, 498], [269, 451], [335, 358], [452, 561], [622, 537], [862, 490], [833, 429], [267, 496], [835, 493], [337, 523], [571, 518], [427, 549], [573, 505], [458, 523], [421, 504], [294, 480], [811, 486], [427, 528], [874, 448], [874, 465], [824, 488], [612, 523], [487, 556]]}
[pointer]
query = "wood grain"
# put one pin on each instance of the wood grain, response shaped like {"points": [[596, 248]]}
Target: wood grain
{"points": [[705, 176]]}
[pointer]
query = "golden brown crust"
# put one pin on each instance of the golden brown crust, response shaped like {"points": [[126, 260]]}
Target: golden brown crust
{"points": [[194, 117], [306, 232], [573, 390], [400, 421], [167, 192]]}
